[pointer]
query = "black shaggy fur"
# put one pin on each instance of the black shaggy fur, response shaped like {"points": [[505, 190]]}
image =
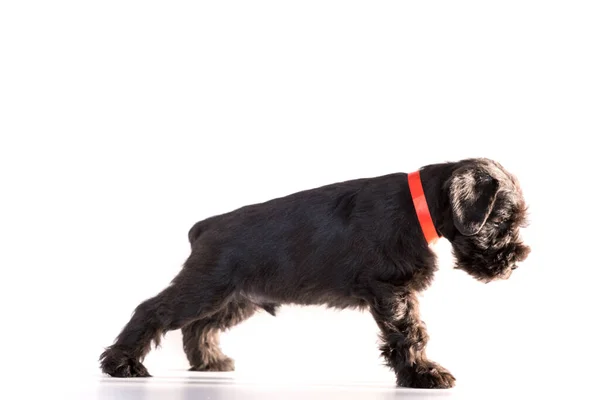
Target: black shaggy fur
{"points": [[354, 244]]}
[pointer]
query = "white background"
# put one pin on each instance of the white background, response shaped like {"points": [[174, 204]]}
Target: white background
{"points": [[122, 123]]}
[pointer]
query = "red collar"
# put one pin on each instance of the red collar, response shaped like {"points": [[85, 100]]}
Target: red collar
{"points": [[421, 207]]}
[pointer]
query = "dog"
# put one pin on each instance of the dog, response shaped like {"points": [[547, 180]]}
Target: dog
{"points": [[362, 244]]}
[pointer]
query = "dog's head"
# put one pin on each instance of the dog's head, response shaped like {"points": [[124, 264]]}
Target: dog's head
{"points": [[487, 210]]}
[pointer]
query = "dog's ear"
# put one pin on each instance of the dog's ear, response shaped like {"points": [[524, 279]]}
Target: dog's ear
{"points": [[472, 195]]}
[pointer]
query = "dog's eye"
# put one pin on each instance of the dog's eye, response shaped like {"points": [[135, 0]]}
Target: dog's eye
{"points": [[499, 224]]}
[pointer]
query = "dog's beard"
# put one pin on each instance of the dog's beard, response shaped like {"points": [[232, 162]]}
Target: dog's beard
{"points": [[486, 258]]}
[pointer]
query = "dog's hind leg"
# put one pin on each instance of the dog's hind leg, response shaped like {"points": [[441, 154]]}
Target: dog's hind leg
{"points": [[201, 337], [196, 292]]}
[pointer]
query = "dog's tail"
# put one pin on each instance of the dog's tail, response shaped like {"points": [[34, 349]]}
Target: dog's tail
{"points": [[195, 232]]}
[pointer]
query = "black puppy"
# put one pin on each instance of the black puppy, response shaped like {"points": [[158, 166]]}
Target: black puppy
{"points": [[362, 243]]}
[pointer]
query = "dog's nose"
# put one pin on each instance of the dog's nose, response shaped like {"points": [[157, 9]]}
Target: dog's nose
{"points": [[523, 252]]}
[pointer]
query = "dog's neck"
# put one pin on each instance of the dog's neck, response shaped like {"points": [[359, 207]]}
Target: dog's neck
{"points": [[422, 208], [433, 179]]}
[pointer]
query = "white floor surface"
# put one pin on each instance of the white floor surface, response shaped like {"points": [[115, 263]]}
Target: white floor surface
{"points": [[184, 385]]}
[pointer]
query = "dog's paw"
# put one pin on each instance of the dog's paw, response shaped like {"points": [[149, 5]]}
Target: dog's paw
{"points": [[117, 364], [219, 365], [428, 375]]}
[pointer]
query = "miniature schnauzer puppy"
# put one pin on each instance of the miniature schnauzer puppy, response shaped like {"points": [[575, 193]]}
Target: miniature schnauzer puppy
{"points": [[362, 244]]}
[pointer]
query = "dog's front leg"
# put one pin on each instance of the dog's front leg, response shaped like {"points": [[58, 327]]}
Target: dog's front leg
{"points": [[404, 339]]}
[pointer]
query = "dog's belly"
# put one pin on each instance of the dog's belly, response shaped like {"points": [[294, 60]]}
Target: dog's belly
{"points": [[328, 299]]}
